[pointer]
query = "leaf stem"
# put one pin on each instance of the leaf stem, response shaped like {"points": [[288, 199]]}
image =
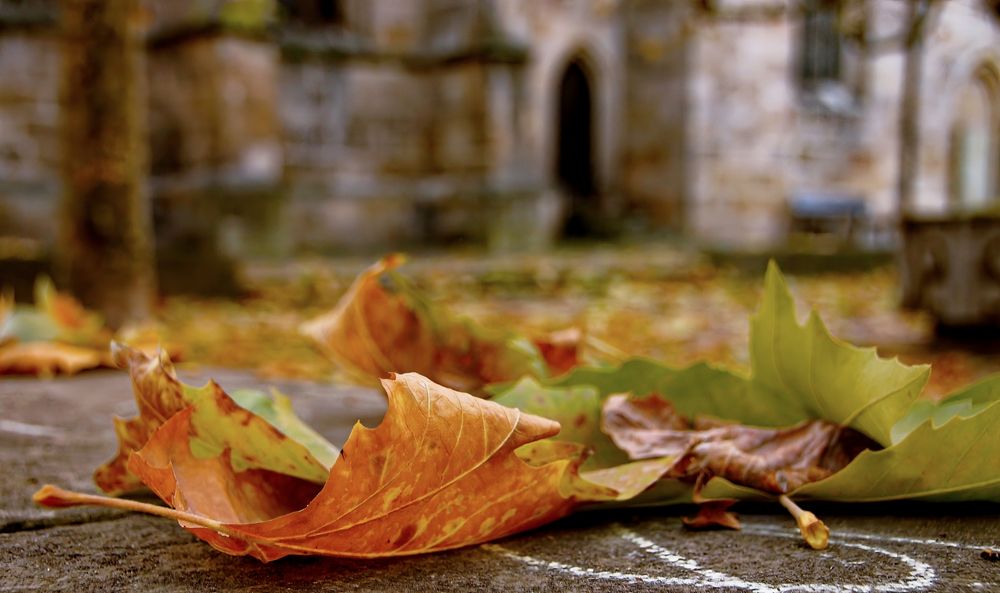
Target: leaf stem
{"points": [[814, 531], [53, 496]]}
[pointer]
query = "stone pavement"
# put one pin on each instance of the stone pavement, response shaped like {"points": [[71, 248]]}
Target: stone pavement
{"points": [[59, 430]]}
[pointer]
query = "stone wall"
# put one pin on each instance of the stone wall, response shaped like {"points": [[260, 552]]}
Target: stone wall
{"points": [[740, 126], [356, 139], [653, 159], [403, 124], [216, 154], [437, 120], [756, 139], [29, 135], [213, 110]]}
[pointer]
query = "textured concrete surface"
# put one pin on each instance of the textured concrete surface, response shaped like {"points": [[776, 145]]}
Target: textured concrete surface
{"points": [[58, 431]]}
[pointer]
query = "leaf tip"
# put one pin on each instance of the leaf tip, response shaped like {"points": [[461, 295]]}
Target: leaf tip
{"points": [[393, 260], [774, 280]]}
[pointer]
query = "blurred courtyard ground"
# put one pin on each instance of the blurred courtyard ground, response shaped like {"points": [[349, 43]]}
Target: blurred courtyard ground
{"points": [[649, 299]]}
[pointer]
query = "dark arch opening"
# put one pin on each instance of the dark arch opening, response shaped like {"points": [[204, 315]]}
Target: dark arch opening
{"points": [[575, 149]]}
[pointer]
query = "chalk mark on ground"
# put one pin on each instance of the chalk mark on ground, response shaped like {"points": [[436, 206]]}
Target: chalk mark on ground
{"points": [[921, 577]]}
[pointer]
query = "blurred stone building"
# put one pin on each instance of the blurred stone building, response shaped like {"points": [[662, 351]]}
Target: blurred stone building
{"points": [[332, 124]]}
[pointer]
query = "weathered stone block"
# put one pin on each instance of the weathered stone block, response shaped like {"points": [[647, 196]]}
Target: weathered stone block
{"points": [[951, 268]]}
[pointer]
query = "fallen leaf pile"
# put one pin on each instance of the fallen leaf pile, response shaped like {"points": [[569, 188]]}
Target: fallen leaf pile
{"points": [[815, 418]]}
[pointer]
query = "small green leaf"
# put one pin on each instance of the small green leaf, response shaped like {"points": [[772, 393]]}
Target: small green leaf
{"points": [[28, 325], [807, 372], [950, 456]]}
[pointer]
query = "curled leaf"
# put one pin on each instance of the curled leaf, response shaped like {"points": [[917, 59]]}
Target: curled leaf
{"points": [[274, 440], [441, 471], [383, 325]]}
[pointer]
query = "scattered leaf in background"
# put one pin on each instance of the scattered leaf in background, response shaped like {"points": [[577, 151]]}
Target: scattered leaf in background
{"points": [[56, 335], [660, 304], [46, 359], [383, 325], [561, 349], [59, 336]]}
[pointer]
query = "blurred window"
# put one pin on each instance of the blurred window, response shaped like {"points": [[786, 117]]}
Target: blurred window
{"points": [[820, 58], [313, 13]]}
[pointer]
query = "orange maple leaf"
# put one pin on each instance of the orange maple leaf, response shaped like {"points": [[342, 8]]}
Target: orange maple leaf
{"points": [[439, 472]]}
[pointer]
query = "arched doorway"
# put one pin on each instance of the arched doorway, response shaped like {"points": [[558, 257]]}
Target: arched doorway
{"points": [[575, 149], [975, 143]]}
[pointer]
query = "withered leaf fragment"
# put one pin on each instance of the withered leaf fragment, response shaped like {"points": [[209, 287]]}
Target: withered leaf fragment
{"points": [[774, 460], [713, 514]]}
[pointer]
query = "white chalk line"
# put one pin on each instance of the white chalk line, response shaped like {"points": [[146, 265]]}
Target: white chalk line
{"points": [[922, 576], [30, 430], [886, 539]]}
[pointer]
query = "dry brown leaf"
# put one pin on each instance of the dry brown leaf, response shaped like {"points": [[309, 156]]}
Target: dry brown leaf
{"points": [[772, 460], [383, 326], [47, 358], [439, 472], [713, 514]]}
